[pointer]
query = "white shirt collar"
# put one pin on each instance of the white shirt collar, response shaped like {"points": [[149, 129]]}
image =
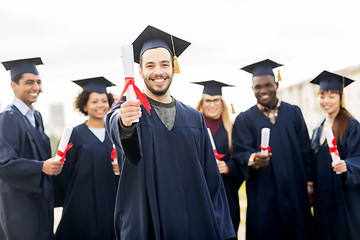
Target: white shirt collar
{"points": [[23, 108]]}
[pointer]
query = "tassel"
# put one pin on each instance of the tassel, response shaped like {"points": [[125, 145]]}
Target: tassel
{"points": [[176, 64], [232, 109], [279, 76], [342, 104]]}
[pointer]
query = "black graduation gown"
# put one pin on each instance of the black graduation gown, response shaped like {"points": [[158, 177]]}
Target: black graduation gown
{"points": [[170, 186], [86, 188], [26, 204], [278, 202], [336, 197], [231, 183]]}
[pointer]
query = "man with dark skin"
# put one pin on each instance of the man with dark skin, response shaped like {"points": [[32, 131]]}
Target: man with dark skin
{"points": [[278, 201], [265, 89]]}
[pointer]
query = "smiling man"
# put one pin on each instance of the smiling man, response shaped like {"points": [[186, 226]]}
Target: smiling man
{"points": [[278, 201], [26, 204], [170, 186]]}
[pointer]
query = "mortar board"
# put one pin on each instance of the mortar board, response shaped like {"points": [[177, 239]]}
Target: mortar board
{"points": [[154, 38], [331, 81], [96, 84], [21, 66], [262, 68], [213, 87]]}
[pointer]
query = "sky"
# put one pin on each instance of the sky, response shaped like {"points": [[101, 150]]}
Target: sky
{"points": [[81, 39]]}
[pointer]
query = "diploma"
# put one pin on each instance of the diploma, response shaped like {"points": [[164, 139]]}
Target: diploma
{"points": [[63, 145], [114, 158], [128, 59], [132, 91], [265, 136], [331, 141], [217, 155]]}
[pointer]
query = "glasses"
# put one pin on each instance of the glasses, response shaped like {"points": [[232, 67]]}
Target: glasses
{"points": [[216, 101]]}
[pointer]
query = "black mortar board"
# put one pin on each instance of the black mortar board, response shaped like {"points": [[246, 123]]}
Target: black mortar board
{"points": [[96, 84], [153, 38], [21, 66], [331, 81], [262, 68], [213, 87]]}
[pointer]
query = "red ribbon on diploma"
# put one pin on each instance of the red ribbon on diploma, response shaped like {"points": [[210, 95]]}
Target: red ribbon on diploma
{"points": [[63, 154], [113, 154], [334, 149], [130, 81], [267, 148], [218, 156]]}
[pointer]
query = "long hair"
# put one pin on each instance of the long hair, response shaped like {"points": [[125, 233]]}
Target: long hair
{"points": [[225, 117], [341, 120]]}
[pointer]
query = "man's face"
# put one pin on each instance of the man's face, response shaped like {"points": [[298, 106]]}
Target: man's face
{"points": [[157, 71], [28, 88], [265, 89]]}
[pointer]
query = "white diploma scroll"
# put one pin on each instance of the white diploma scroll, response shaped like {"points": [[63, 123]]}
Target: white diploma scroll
{"points": [[115, 159], [212, 142], [265, 136], [128, 61], [211, 139], [329, 138], [63, 142]]}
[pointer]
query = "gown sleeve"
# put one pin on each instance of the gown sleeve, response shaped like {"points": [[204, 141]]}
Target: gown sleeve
{"points": [[352, 143], [18, 171], [304, 142], [243, 140], [130, 146]]}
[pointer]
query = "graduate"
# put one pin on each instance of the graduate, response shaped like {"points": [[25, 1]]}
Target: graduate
{"points": [[216, 114], [86, 188], [26, 202], [336, 196], [170, 186], [276, 184]]}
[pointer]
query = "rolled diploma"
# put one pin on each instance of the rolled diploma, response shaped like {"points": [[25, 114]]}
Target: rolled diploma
{"points": [[115, 160], [64, 141], [265, 135], [329, 138], [212, 141], [128, 59]]}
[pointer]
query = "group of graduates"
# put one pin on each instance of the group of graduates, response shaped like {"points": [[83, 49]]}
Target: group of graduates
{"points": [[156, 168]]}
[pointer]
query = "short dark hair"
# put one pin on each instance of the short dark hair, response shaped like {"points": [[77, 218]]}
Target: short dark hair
{"points": [[17, 78], [171, 59], [82, 99]]}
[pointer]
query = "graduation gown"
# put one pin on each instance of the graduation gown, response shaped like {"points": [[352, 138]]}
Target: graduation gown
{"points": [[86, 188], [278, 202], [170, 186], [336, 197], [26, 204], [231, 183]]}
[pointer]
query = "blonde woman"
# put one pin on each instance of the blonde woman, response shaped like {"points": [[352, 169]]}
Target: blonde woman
{"points": [[216, 114]]}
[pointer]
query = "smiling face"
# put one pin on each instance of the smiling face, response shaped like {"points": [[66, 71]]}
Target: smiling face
{"points": [[212, 106], [28, 88], [157, 72], [330, 102], [97, 106], [265, 88]]}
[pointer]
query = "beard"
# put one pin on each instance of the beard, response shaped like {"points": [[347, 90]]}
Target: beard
{"points": [[161, 92]]}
